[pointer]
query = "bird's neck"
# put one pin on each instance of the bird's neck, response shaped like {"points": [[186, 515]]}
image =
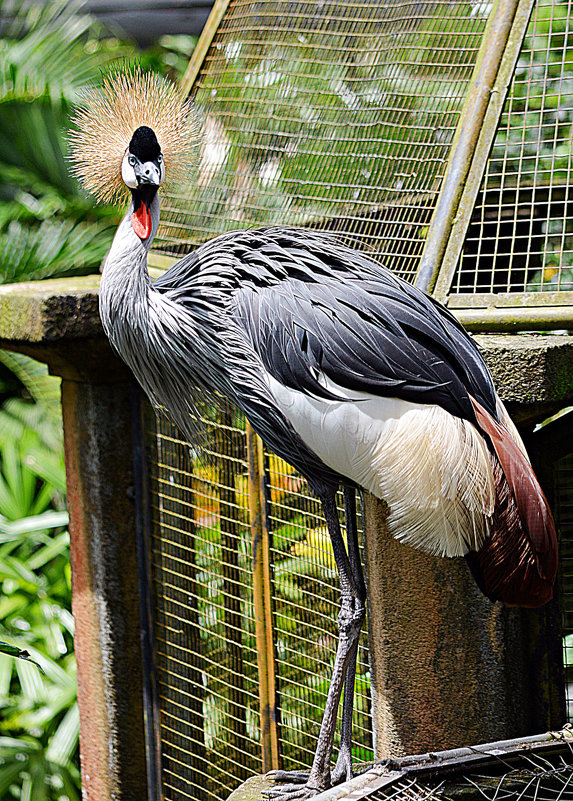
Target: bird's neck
{"points": [[125, 282]]}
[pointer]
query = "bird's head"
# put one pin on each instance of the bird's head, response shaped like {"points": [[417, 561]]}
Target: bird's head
{"points": [[143, 172], [129, 133]]}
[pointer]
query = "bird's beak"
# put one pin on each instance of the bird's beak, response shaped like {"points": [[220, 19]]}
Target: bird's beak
{"points": [[148, 173]]}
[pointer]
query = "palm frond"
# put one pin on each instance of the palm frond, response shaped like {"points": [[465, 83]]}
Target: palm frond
{"points": [[44, 51], [56, 247]]}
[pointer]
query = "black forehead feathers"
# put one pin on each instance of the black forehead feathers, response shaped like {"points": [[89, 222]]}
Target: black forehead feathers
{"points": [[144, 144]]}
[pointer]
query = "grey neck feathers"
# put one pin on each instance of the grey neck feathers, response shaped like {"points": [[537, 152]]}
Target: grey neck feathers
{"points": [[125, 283]]}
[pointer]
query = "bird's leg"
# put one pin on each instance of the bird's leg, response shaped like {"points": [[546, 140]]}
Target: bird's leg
{"points": [[343, 768], [350, 621]]}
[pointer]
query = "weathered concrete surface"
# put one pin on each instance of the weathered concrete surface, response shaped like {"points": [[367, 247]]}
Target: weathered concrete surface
{"points": [[255, 787], [448, 667], [105, 589], [533, 373], [57, 322], [49, 311]]}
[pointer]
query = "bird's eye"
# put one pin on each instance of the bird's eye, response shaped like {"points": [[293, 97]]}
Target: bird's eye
{"points": [[160, 158], [132, 160]]}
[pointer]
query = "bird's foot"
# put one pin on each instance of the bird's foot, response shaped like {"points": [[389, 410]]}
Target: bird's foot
{"points": [[294, 786], [289, 776], [342, 771]]}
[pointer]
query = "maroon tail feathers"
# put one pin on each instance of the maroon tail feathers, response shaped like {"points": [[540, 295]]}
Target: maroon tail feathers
{"points": [[517, 564]]}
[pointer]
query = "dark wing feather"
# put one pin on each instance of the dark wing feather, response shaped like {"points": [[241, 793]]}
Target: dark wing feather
{"points": [[328, 309]]}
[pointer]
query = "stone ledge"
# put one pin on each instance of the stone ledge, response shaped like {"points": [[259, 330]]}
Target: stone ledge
{"points": [[50, 311], [533, 373], [57, 320]]}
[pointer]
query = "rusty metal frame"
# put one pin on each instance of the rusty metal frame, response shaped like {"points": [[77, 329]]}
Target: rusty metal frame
{"points": [[262, 592], [495, 312], [478, 159], [474, 136], [513, 311], [203, 45]]}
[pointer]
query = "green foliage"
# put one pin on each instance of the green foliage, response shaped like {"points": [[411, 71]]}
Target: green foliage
{"points": [[39, 722], [50, 52], [47, 225]]}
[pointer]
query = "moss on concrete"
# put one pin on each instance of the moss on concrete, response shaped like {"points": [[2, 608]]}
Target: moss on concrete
{"points": [[533, 373], [49, 311]]}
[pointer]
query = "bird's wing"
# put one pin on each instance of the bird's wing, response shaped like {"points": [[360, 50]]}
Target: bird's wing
{"points": [[335, 316]]}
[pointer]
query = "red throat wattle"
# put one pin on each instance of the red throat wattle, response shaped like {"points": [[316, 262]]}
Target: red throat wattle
{"points": [[141, 221]]}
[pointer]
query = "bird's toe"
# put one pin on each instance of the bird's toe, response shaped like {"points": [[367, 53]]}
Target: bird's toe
{"points": [[289, 776], [291, 792]]}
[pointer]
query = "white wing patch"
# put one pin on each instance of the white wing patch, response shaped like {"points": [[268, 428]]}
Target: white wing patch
{"points": [[432, 469]]}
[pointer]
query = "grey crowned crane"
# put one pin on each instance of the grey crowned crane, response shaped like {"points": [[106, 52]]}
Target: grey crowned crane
{"points": [[351, 375]]}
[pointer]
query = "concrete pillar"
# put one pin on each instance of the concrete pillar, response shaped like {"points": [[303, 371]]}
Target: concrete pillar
{"points": [[448, 667], [57, 322], [99, 452]]}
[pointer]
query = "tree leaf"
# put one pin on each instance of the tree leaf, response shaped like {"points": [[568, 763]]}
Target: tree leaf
{"points": [[65, 739]]}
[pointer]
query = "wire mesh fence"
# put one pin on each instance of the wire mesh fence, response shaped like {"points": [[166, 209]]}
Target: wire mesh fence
{"points": [[337, 115], [206, 649], [535, 774], [521, 235]]}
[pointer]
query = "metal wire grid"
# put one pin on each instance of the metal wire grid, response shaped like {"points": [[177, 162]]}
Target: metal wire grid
{"points": [[564, 508], [206, 659], [334, 114], [205, 654], [307, 597], [521, 235], [532, 777]]}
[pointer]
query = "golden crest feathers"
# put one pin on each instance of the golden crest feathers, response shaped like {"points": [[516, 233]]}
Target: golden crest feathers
{"points": [[108, 116]]}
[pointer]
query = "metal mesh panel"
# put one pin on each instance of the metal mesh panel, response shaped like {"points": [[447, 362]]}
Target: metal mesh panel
{"points": [[532, 777], [564, 509], [206, 653], [521, 235], [307, 597], [205, 649], [333, 114]]}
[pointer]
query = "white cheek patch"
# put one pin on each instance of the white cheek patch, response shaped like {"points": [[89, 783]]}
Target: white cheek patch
{"points": [[128, 174]]}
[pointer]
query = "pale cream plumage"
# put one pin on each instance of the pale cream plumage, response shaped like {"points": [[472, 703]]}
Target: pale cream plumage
{"points": [[432, 469]]}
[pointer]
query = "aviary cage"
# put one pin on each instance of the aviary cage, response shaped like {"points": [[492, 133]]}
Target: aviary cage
{"points": [[436, 134]]}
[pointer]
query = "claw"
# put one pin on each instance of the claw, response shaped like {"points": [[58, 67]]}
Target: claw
{"points": [[294, 786]]}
